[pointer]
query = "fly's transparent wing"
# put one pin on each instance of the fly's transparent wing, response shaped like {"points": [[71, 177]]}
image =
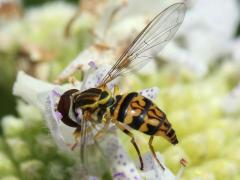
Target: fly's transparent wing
{"points": [[93, 160], [149, 42]]}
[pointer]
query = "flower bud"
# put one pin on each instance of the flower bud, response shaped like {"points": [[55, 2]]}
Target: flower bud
{"points": [[222, 168], [57, 170], [45, 148], [198, 173], [216, 140], [10, 178], [31, 116], [195, 146], [32, 169], [6, 165], [20, 150], [12, 126]]}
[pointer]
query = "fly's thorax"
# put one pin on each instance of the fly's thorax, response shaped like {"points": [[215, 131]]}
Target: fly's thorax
{"points": [[93, 98]]}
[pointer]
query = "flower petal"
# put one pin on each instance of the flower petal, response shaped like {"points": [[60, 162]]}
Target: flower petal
{"points": [[122, 166], [54, 123], [45, 96], [93, 78], [29, 89], [232, 100], [152, 171], [150, 93]]}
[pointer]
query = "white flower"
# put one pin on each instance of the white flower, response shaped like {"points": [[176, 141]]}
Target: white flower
{"points": [[45, 96], [205, 35], [235, 51], [231, 103]]}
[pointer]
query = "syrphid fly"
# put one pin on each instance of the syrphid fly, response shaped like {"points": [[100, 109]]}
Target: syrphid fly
{"points": [[100, 105]]}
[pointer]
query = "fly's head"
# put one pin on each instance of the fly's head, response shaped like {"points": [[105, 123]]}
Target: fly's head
{"points": [[64, 107]]}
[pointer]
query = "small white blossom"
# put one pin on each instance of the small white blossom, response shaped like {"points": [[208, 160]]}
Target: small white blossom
{"points": [[231, 103], [150, 93], [235, 51]]}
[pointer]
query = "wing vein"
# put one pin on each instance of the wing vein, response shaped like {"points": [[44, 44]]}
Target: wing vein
{"points": [[149, 41]]}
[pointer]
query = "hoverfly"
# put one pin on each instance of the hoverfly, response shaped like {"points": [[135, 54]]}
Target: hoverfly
{"points": [[99, 105]]}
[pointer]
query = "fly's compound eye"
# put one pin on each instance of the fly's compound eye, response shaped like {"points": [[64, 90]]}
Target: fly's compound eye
{"points": [[64, 107]]}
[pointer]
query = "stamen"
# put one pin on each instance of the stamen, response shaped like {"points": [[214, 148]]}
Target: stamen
{"points": [[183, 163], [55, 93], [92, 65], [79, 114], [58, 116]]}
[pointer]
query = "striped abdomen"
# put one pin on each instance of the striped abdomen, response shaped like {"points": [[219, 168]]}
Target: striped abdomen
{"points": [[142, 114]]}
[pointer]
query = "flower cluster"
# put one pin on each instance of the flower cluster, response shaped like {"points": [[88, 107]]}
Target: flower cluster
{"points": [[26, 149]]}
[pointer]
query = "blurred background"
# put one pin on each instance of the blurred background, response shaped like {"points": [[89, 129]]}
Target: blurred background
{"points": [[198, 76]]}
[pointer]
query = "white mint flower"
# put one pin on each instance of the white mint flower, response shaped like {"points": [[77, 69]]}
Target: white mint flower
{"points": [[232, 100], [46, 96], [235, 51]]}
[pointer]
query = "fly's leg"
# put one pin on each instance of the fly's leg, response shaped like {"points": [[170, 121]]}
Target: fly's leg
{"points": [[116, 90], [104, 129], [77, 135], [120, 126], [153, 152]]}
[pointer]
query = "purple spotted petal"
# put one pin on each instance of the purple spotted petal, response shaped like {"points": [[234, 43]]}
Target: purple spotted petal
{"points": [[153, 171], [80, 61], [92, 65], [93, 78], [150, 93], [122, 166], [53, 122], [59, 131], [56, 93], [58, 116], [54, 96]]}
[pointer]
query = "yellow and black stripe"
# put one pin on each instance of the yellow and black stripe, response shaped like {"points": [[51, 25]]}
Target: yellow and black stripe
{"points": [[142, 114], [87, 98]]}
